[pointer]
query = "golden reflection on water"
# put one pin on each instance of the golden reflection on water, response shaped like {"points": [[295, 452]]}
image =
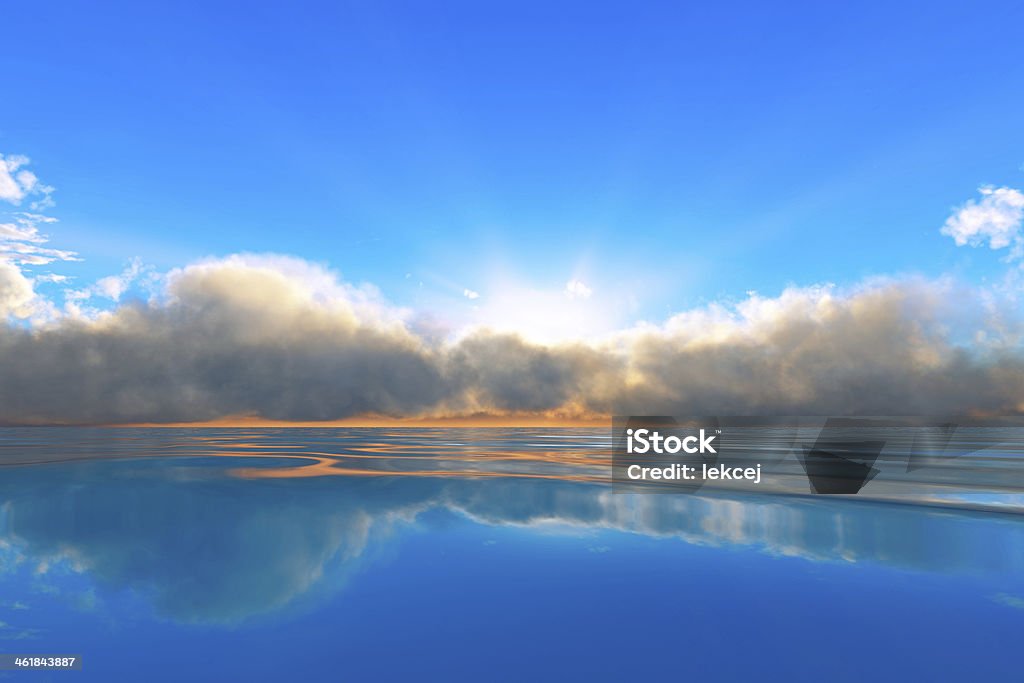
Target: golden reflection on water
{"points": [[423, 453], [990, 478], [473, 465]]}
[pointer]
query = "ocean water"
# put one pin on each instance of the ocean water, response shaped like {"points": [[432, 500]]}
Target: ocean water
{"points": [[484, 555]]}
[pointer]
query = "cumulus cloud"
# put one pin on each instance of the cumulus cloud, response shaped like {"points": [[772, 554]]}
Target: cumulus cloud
{"points": [[280, 338], [997, 218], [887, 347], [470, 294], [276, 334]]}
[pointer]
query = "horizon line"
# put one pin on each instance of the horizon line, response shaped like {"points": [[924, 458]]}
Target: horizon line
{"points": [[362, 421]]}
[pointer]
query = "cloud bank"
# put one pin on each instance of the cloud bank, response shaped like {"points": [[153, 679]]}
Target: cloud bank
{"points": [[280, 338]]}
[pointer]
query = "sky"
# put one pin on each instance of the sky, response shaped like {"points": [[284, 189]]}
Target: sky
{"points": [[559, 173]]}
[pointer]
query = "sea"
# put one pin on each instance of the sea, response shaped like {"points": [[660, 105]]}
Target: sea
{"points": [[451, 554]]}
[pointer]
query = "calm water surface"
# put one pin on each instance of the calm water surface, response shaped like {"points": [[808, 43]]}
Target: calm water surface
{"points": [[355, 555]]}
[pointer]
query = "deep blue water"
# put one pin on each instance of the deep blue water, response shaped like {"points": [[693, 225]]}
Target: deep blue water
{"points": [[480, 555]]}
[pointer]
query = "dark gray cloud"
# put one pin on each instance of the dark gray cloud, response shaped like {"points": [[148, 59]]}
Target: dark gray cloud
{"points": [[281, 339]]}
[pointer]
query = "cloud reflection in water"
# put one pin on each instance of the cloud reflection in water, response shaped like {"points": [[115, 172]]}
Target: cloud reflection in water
{"points": [[190, 519]]}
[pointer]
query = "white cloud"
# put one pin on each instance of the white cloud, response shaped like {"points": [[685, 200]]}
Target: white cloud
{"points": [[470, 294], [996, 218], [11, 189], [20, 238], [575, 289], [32, 254], [16, 292], [52, 277], [22, 243], [25, 232], [17, 182], [111, 287]]}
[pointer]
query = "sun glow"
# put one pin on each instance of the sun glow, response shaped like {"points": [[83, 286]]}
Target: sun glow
{"points": [[574, 312]]}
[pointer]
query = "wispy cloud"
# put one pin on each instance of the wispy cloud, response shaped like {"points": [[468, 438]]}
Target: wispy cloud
{"points": [[22, 243], [52, 277], [111, 287], [17, 182], [577, 290]]}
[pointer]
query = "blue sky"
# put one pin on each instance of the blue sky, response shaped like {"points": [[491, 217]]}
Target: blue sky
{"points": [[665, 155]]}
